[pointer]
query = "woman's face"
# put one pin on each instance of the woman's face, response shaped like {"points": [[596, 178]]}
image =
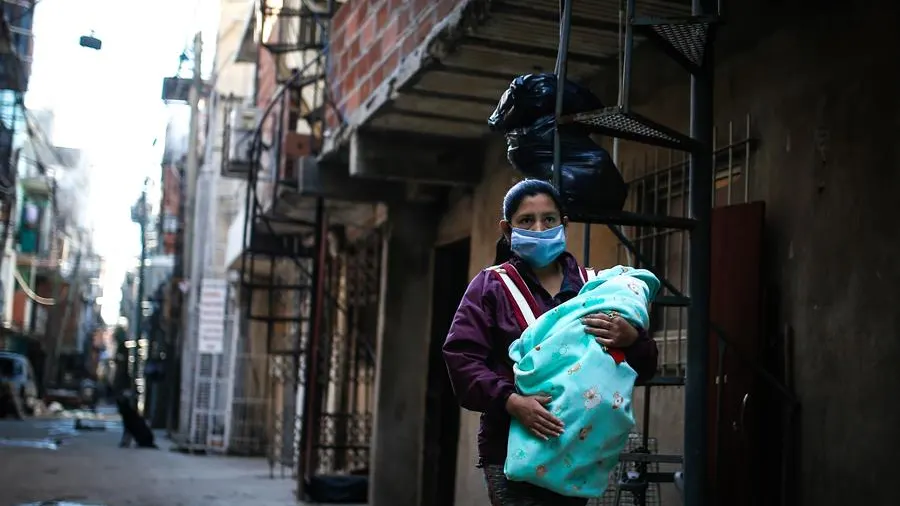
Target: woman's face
{"points": [[536, 213]]}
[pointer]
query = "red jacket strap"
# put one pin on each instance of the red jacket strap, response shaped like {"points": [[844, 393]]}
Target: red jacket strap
{"points": [[523, 288]]}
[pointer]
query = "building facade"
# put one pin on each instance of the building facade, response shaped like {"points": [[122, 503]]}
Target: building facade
{"points": [[386, 141]]}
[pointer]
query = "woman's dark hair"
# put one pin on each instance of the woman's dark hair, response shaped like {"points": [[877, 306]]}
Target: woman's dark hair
{"points": [[511, 203]]}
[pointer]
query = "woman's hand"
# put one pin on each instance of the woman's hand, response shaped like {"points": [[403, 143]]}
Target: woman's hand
{"points": [[531, 413], [612, 331]]}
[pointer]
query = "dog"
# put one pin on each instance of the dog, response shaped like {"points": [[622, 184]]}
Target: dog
{"points": [[134, 427]]}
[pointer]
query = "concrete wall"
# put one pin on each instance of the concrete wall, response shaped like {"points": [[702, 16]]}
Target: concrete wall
{"points": [[403, 339], [232, 77], [369, 40], [238, 79], [819, 95]]}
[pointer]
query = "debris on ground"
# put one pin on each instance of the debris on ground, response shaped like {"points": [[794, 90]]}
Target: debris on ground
{"points": [[44, 444], [57, 503]]}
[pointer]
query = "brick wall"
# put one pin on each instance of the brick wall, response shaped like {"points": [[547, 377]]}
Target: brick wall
{"points": [[266, 87], [171, 201], [369, 39]]}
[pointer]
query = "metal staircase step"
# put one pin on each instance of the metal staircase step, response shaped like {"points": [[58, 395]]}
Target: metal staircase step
{"points": [[263, 286], [672, 301], [663, 381], [303, 81], [285, 352], [650, 457], [288, 12], [684, 39], [629, 219], [278, 319], [280, 48], [616, 122]]}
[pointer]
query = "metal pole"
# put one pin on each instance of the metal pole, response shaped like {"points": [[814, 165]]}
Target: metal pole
{"points": [[139, 300], [8, 206], [565, 25], [627, 55], [172, 350], [70, 301], [49, 366], [261, 23], [311, 396], [187, 219], [697, 375], [192, 168]]}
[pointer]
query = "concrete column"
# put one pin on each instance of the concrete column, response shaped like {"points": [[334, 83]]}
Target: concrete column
{"points": [[400, 384]]}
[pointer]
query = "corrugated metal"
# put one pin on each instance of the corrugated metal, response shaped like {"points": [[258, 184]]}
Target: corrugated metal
{"points": [[518, 37]]}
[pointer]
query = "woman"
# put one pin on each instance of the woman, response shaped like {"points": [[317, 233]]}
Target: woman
{"points": [[534, 242]]}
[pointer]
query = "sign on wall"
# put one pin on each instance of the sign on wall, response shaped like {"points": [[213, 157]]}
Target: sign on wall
{"points": [[211, 329]]}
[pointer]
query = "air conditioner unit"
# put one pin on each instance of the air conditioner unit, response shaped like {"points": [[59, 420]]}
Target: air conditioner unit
{"points": [[239, 134]]}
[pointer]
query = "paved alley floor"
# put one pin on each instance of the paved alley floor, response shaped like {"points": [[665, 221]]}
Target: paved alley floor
{"points": [[48, 460]]}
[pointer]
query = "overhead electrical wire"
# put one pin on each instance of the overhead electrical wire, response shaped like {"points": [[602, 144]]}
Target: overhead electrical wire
{"points": [[44, 301]]}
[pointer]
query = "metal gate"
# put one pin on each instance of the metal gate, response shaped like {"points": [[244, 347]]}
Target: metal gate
{"points": [[276, 297], [346, 380]]}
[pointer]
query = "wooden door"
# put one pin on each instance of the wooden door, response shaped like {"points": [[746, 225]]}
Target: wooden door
{"points": [[451, 277], [736, 309]]}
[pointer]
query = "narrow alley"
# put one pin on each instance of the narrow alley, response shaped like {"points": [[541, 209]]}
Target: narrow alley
{"points": [[48, 459], [448, 253]]}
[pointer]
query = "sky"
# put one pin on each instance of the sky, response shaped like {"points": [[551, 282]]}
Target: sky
{"points": [[108, 103]]}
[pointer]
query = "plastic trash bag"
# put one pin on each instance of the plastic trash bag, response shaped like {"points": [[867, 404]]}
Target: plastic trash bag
{"points": [[590, 180], [531, 96]]}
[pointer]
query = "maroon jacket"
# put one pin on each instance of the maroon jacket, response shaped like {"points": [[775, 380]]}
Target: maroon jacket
{"points": [[476, 350]]}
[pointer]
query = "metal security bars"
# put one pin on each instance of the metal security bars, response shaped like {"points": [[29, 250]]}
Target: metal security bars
{"points": [[348, 379], [658, 185]]}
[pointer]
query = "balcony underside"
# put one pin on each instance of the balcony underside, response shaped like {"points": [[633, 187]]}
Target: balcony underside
{"points": [[452, 82]]}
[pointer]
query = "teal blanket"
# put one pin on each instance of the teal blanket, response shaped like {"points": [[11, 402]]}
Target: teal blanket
{"points": [[590, 388]]}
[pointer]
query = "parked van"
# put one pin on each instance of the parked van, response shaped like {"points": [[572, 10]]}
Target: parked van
{"points": [[15, 369]]}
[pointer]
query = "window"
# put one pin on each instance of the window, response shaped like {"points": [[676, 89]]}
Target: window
{"points": [[659, 186]]}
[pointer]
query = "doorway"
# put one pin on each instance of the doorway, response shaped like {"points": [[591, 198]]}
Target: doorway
{"points": [[451, 277]]}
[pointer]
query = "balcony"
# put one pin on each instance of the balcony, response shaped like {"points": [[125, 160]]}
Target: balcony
{"points": [[16, 46], [38, 186], [450, 80]]}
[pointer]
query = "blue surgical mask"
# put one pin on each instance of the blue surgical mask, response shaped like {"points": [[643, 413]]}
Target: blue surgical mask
{"points": [[538, 249]]}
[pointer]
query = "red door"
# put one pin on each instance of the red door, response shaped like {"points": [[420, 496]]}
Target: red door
{"points": [[736, 309]]}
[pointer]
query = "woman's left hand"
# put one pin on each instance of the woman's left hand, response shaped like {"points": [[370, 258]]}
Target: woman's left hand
{"points": [[612, 331]]}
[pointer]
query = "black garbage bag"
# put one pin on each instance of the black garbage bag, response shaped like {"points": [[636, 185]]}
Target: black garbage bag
{"points": [[134, 426], [532, 96], [338, 489], [590, 181]]}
